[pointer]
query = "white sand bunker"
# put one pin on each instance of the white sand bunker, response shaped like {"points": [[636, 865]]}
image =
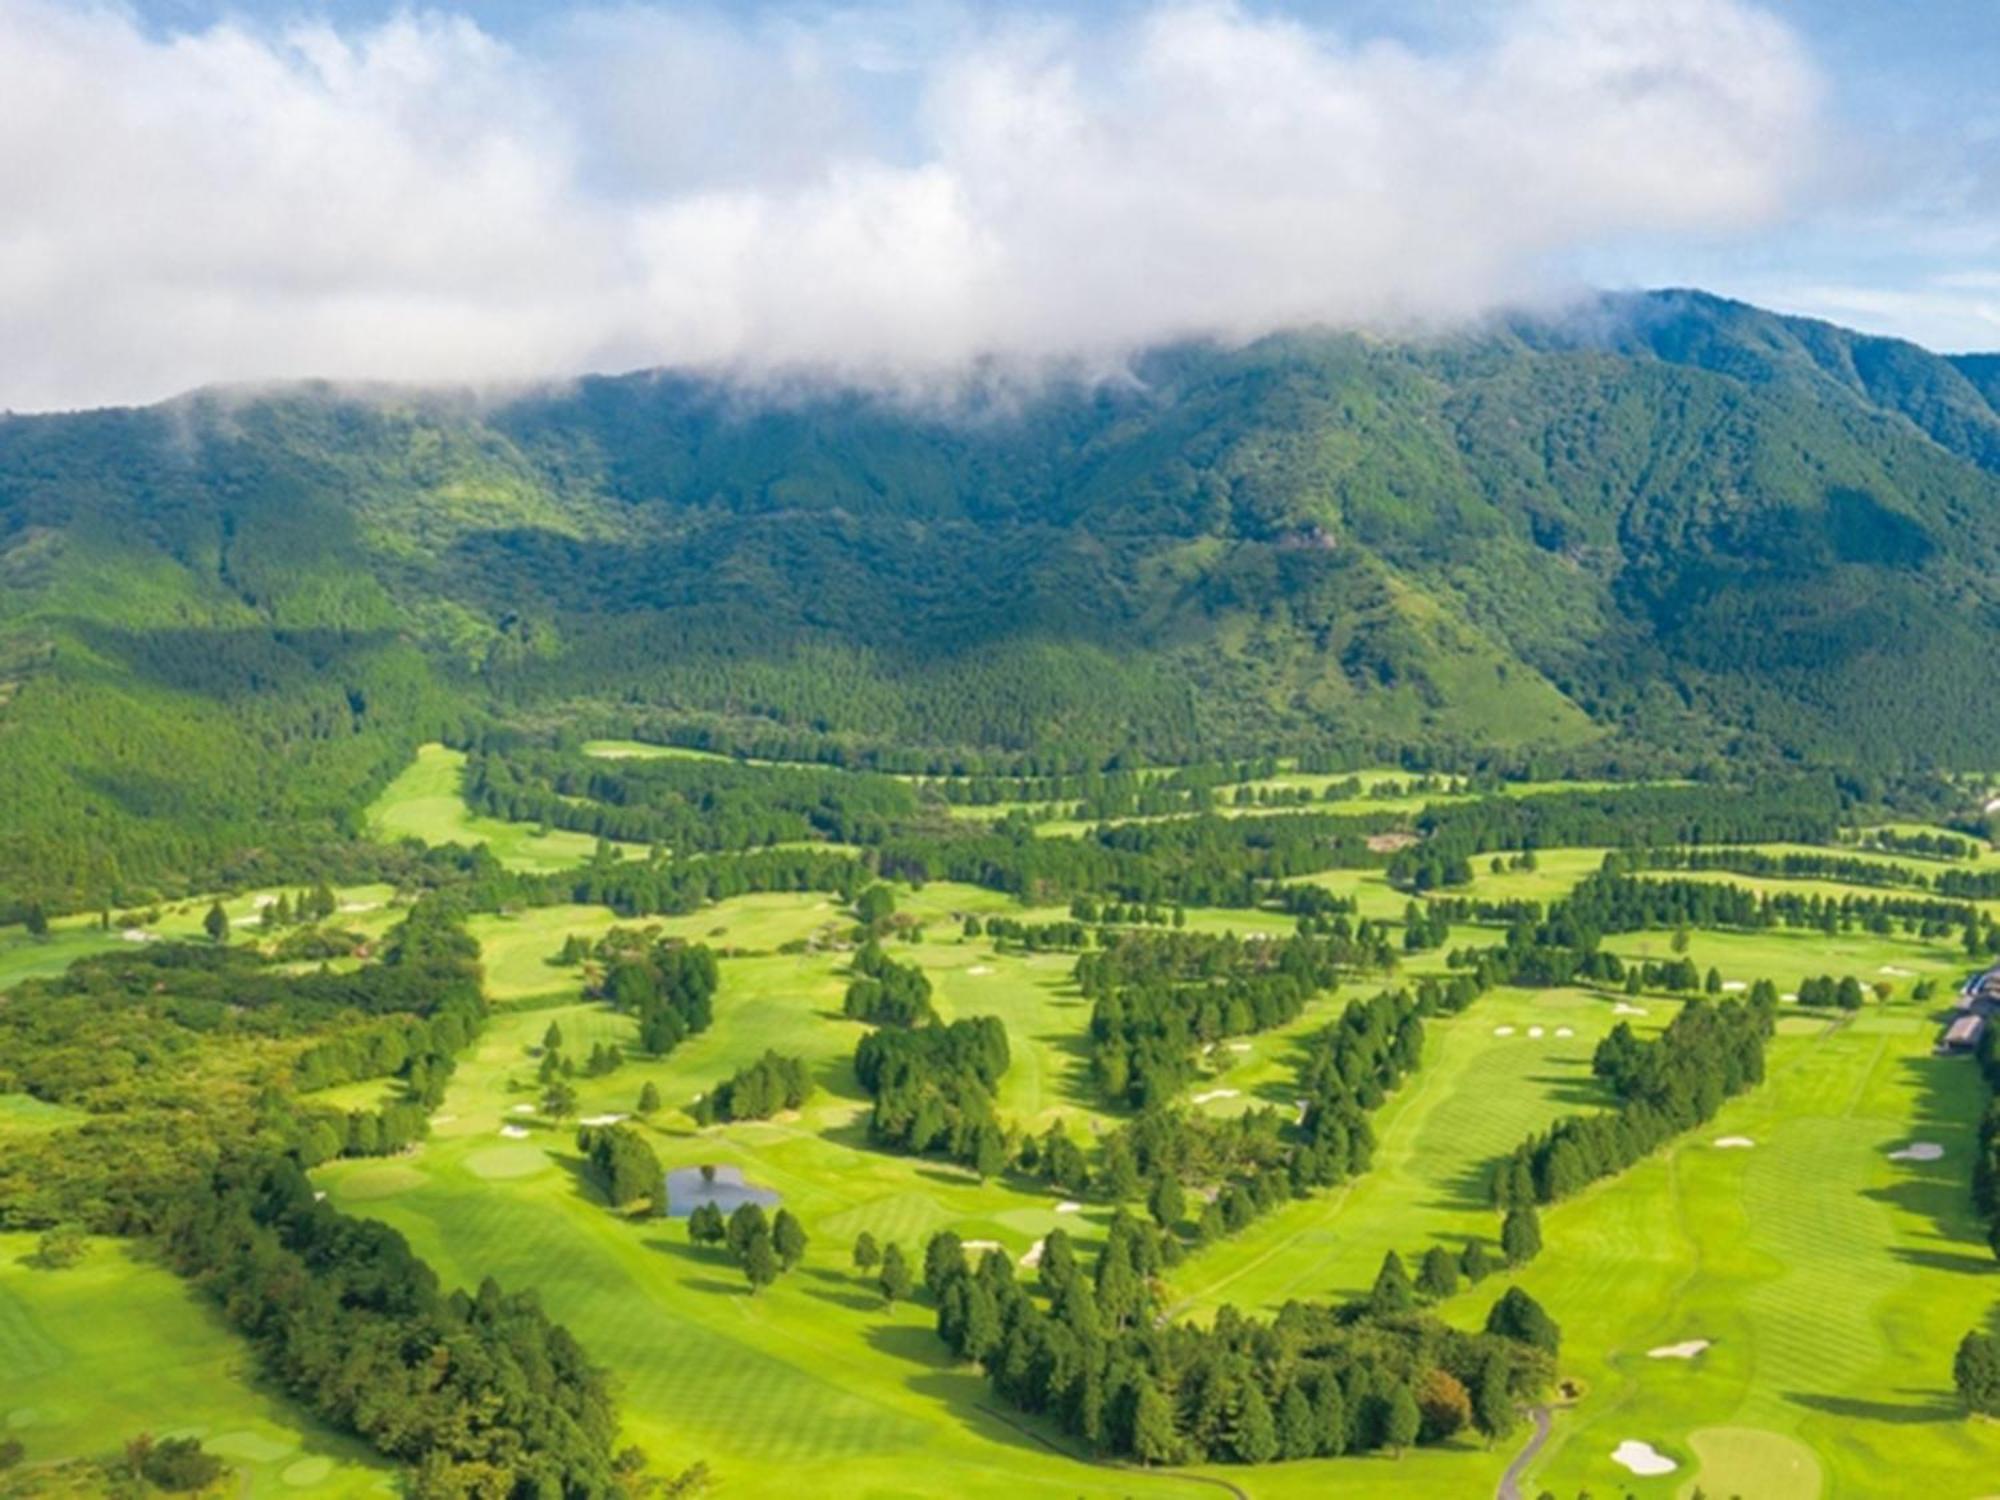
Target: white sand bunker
{"points": [[1239, 1046], [1534, 1031], [1034, 1256], [1687, 1349], [1213, 1094], [1734, 1142], [1622, 1009], [1503, 1031], [978, 1247], [1918, 1151], [1897, 972], [139, 935], [603, 1119], [514, 1132], [1790, 997], [1642, 1459], [980, 971], [522, 1109], [1734, 986], [1564, 1031], [1069, 1206]]}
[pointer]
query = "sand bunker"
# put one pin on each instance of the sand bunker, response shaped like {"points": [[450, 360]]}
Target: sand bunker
{"points": [[522, 1109], [979, 1247], [359, 906], [1918, 1151], [1642, 1459], [603, 1119], [1239, 1046], [1734, 985], [687, 1190], [1503, 1031], [1069, 1206], [1034, 1256], [139, 935], [514, 1132], [1896, 972], [1734, 1142], [1535, 1031], [979, 971], [1790, 997], [1622, 1009], [1564, 1031], [1687, 1349], [1213, 1094]]}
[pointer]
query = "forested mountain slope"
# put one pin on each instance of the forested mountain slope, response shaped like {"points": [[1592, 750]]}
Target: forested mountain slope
{"points": [[1667, 528]]}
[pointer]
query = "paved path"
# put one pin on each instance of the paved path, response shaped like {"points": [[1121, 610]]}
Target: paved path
{"points": [[1510, 1482]]}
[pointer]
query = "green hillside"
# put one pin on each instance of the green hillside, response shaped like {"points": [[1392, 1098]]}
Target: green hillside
{"points": [[1672, 532]]}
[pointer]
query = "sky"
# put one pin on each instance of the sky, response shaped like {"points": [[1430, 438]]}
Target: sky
{"points": [[906, 193]]}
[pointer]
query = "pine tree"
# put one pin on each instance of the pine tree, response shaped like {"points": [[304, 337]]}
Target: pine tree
{"points": [[867, 1254], [895, 1278], [37, 920], [1474, 1263], [649, 1098], [216, 923], [1331, 1432], [1976, 1373], [1521, 1235], [760, 1262], [1256, 1438], [552, 1039], [1518, 1316], [1154, 1440], [788, 1238], [1168, 1200], [1437, 1278], [1403, 1420], [1297, 1437], [1391, 1293], [1492, 1400]]}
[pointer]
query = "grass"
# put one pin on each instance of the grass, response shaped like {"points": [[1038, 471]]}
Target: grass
{"points": [[424, 803], [113, 1347]]}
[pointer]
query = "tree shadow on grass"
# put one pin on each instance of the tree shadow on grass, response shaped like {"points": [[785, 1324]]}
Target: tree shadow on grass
{"points": [[852, 1301], [1959, 1261], [1573, 1092], [1930, 1406], [957, 1389], [1468, 1192]]}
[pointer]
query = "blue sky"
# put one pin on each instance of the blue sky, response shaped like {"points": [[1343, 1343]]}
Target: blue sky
{"points": [[893, 190]]}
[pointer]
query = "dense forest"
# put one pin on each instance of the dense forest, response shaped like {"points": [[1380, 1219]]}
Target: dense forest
{"points": [[1701, 539]]}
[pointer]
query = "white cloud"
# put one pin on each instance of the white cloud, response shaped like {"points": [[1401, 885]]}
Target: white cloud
{"points": [[884, 194]]}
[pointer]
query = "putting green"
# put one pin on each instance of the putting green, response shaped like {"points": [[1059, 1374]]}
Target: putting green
{"points": [[1750, 1461]]}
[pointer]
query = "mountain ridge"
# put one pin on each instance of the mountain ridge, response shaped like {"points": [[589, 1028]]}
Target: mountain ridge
{"points": [[1668, 528]]}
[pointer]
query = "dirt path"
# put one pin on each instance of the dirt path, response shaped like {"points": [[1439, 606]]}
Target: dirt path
{"points": [[1510, 1482]]}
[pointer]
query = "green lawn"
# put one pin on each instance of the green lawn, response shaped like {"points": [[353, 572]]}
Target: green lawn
{"points": [[424, 803], [114, 1347]]}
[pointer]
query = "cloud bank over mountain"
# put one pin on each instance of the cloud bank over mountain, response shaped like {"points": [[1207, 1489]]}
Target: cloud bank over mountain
{"points": [[885, 195]]}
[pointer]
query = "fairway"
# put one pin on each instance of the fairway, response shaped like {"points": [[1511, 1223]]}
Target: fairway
{"points": [[1814, 1264], [113, 1347], [423, 803]]}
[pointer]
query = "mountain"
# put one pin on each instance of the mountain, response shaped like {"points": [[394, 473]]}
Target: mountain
{"points": [[1666, 528]]}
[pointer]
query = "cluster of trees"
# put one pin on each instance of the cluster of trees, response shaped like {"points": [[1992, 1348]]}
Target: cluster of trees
{"points": [[1803, 809], [686, 804], [667, 984], [1033, 937], [1707, 1054], [757, 1090], [1976, 1367], [933, 1088], [624, 1164], [1085, 1349], [1157, 998], [886, 993], [764, 1248], [477, 1393], [1795, 864]]}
